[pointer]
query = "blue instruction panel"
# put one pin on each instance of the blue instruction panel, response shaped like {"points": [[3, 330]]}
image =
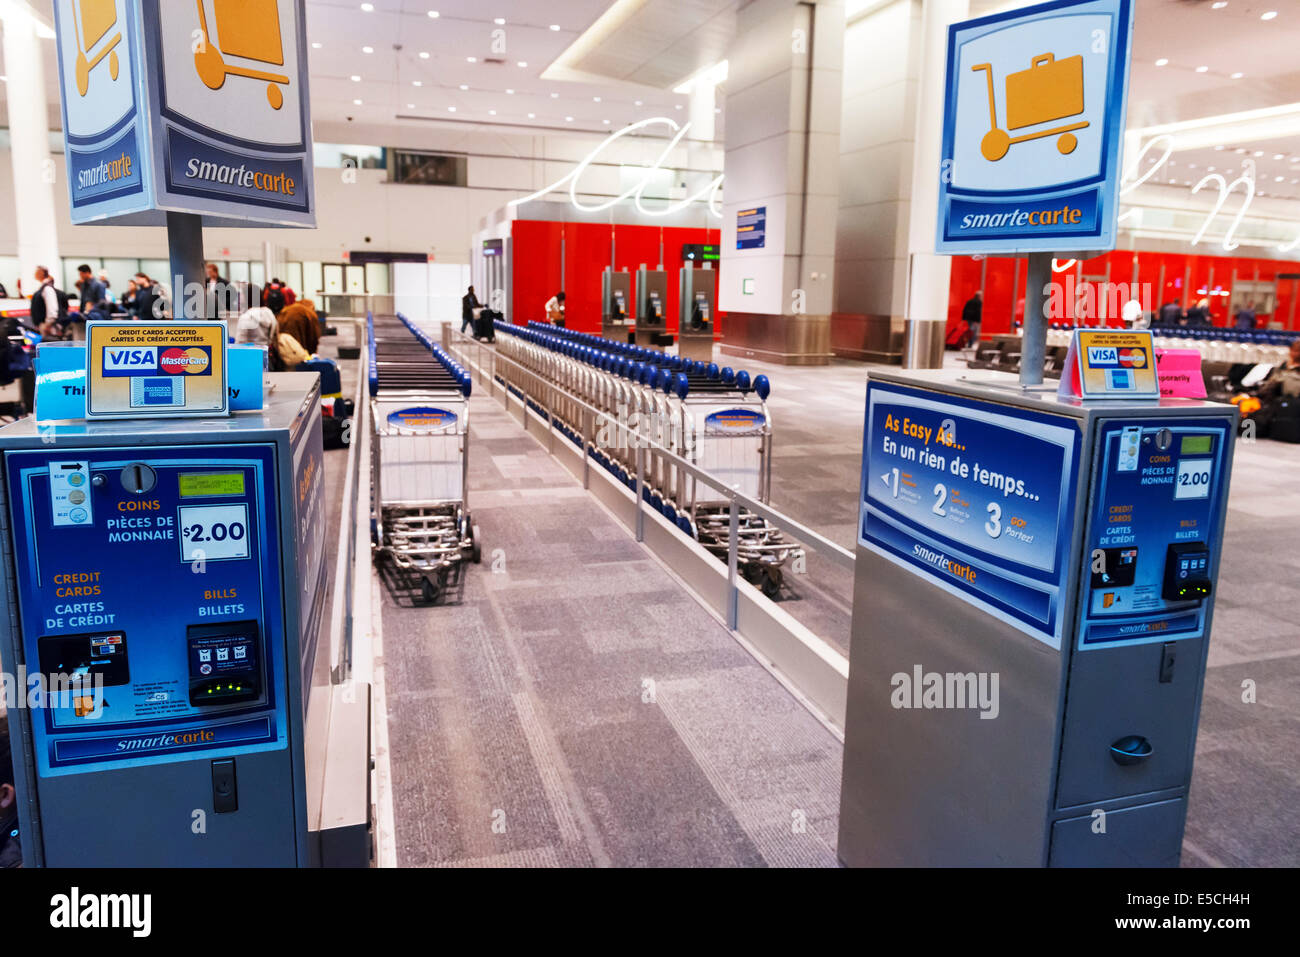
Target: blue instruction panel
{"points": [[975, 496], [149, 585], [1153, 535]]}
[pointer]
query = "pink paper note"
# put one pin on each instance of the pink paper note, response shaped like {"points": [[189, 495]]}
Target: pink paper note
{"points": [[1180, 373]]}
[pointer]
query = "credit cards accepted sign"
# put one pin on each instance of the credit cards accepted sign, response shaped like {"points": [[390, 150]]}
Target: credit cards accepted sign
{"points": [[144, 370]]}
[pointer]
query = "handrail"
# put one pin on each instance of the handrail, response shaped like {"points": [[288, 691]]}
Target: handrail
{"points": [[345, 579], [840, 555]]}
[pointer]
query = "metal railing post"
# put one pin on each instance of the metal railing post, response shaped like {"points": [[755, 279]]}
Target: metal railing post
{"points": [[733, 542], [640, 492]]}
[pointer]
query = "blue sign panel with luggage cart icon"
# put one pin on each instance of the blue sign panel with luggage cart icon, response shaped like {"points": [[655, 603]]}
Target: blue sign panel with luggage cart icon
{"points": [[1033, 123]]}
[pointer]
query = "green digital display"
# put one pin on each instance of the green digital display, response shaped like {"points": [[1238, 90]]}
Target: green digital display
{"points": [[202, 484], [1197, 444]]}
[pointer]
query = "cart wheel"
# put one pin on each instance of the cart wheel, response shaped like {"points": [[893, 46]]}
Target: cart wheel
{"points": [[83, 73], [772, 583], [476, 552], [1067, 143], [995, 144], [112, 64], [430, 590], [274, 96], [752, 573]]}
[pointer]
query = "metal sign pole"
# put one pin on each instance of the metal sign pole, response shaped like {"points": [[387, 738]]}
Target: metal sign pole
{"points": [[1033, 344], [185, 247]]}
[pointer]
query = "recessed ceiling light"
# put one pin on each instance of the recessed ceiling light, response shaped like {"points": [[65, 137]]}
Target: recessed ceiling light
{"points": [[368, 7], [471, 59], [606, 122], [1202, 69], [424, 54], [1191, 166], [464, 86], [367, 49], [718, 110], [492, 112], [555, 96], [679, 106], [417, 83], [1277, 156], [595, 99], [1163, 61], [532, 116], [1218, 4], [500, 21], [356, 102], [1238, 76], [1268, 15], [1278, 179], [1210, 169], [638, 103], [1219, 147], [355, 78], [555, 27], [451, 109], [510, 92], [433, 14], [1259, 152], [410, 106], [522, 64], [568, 119], [1240, 149]]}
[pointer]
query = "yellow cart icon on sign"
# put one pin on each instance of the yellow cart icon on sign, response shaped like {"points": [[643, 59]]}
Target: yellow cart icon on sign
{"points": [[95, 20], [246, 30], [1050, 90]]}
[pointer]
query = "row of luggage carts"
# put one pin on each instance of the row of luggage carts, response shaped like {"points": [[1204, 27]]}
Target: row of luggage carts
{"points": [[714, 418], [419, 402]]}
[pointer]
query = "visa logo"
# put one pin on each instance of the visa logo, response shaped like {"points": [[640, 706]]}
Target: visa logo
{"points": [[127, 362], [1102, 356]]}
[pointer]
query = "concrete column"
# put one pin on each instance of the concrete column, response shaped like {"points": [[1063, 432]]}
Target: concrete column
{"points": [[782, 149], [885, 272], [927, 299], [34, 169]]}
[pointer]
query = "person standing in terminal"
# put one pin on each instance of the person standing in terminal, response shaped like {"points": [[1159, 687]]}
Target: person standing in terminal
{"points": [[555, 310], [1171, 314], [468, 303], [973, 315], [300, 322], [94, 296], [1246, 317], [220, 294], [49, 310], [145, 304], [1199, 314]]}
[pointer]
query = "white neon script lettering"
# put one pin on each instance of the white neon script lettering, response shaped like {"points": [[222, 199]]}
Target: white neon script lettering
{"points": [[636, 192]]}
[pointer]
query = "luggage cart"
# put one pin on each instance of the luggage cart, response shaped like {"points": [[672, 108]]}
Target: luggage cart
{"points": [[1048, 91], [247, 30], [94, 21], [419, 403]]}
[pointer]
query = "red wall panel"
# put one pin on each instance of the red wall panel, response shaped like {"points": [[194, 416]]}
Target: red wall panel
{"points": [[536, 265]]}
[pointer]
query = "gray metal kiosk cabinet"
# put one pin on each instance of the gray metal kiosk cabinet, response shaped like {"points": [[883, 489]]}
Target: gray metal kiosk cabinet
{"points": [[1032, 604], [178, 566], [697, 307], [651, 305], [616, 305]]}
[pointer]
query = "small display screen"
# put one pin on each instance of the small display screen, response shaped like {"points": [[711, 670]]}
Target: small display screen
{"points": [[196, 485], [1197, 445]]}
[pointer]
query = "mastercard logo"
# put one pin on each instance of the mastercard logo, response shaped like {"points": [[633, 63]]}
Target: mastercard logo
{"points": [[195, 361], [1133, 358]]}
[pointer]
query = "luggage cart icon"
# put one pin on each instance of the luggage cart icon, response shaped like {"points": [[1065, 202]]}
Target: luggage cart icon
{"points": [[1048, 91], [248, 30], [96, 19]]}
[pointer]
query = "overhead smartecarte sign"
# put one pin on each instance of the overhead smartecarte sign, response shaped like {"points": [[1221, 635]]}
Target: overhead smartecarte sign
{"points": [[196, 106], [1033, 123]]}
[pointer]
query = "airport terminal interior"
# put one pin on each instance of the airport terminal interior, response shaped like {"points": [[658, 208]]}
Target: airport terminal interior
{"points": [[650, 433]]}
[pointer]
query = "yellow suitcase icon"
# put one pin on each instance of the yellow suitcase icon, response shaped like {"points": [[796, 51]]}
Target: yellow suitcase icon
{"points": [[1048, 91], [248, 30], [96, 19]]}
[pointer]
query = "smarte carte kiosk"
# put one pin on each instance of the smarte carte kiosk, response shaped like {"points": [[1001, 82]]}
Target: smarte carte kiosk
{"points": [[652, 307], [616, 305], [176, 566], [1032, 607], [697, 305]]}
